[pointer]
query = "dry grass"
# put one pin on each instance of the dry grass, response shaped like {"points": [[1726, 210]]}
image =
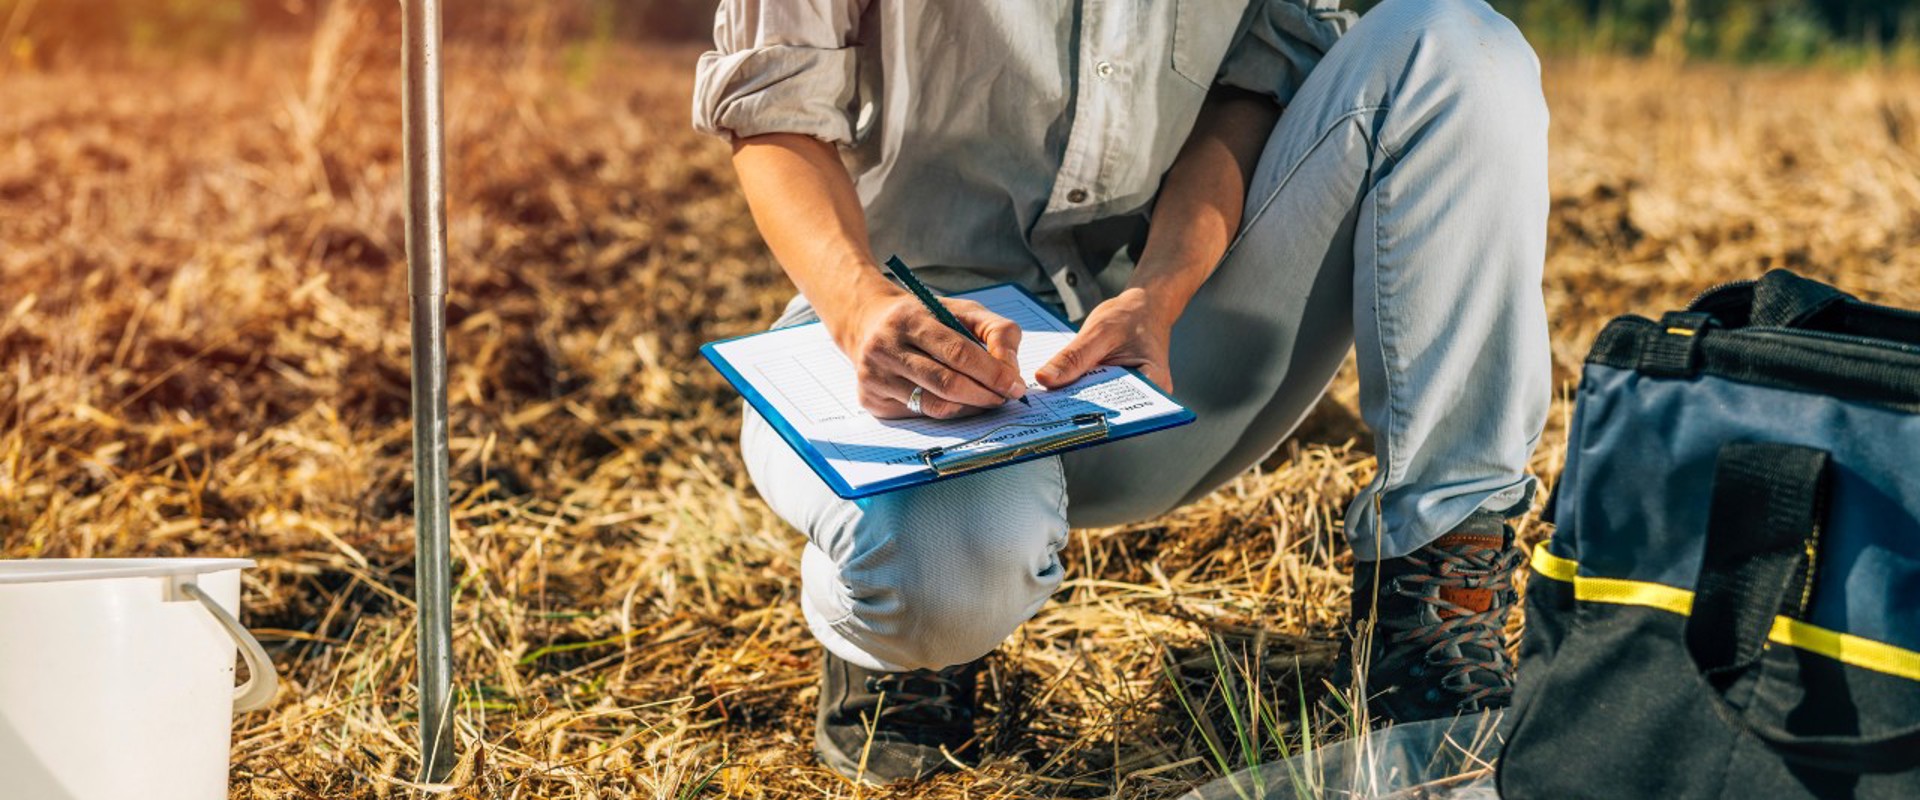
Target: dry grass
{"points": [[203, 351]]}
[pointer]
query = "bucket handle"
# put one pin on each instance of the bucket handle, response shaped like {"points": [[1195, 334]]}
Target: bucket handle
{"points": [[263, 681]]}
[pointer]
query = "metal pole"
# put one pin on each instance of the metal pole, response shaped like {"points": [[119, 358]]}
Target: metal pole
{"points": [[427, 286]]}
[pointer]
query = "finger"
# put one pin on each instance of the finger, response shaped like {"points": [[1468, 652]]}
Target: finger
{"points": [[885, 408], [1004, 343], [882, 390], [930, 406], [958, 370], [937, 408], [1085, 352], [893, 372], [992, 370], [922, 370], [888, 400], [1000, 334]]}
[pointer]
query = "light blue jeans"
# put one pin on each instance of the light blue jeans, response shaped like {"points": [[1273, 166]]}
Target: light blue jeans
{"points": [[1400, 209]]}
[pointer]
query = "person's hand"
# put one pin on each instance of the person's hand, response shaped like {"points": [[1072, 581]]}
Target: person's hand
{"points": [[1123, 331], [896, 344]]}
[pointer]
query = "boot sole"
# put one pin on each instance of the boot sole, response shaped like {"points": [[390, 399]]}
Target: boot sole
{"points": [[849, 766]]}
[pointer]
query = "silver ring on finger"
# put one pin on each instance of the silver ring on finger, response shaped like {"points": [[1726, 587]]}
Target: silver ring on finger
{"points": [[913, 401]]}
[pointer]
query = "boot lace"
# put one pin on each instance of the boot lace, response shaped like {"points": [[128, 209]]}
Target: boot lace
{"points": [[1468, 643], [921, 696]]}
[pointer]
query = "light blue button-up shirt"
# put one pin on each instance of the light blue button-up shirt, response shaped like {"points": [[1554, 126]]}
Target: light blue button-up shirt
{"points": [[1000, 141]]}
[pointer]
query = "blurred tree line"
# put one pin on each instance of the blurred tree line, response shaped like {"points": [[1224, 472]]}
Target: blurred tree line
{"points": [[45, 31], [1732, 30], [1845, 31]]}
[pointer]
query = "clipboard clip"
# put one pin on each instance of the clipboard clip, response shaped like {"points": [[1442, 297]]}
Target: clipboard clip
{"points": [[1015, 440]]}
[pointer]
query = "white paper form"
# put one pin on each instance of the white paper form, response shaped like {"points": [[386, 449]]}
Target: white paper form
{"points": [[810, 383]]}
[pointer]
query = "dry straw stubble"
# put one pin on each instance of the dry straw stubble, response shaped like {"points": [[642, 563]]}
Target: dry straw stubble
{"points": [[203, 351]]}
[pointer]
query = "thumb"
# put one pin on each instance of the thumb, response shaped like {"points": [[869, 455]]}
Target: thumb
{"points": [[1159, 376], [1073, 361]]}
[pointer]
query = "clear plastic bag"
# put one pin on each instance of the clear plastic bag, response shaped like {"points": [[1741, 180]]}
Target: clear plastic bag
{"points": [[1442, 759]]}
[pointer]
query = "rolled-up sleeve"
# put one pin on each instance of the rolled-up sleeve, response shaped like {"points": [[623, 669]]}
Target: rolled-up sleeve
{"points": [[779, 66], [1279, 42]]}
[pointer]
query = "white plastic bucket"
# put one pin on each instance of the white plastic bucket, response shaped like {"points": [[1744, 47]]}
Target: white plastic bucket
{"points": [[116, 677]]}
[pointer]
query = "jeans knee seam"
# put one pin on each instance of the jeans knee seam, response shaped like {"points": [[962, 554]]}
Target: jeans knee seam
{"points": [[1395, 459], [1060, 476], [1294, 169], [839, 574], [840, 620]]}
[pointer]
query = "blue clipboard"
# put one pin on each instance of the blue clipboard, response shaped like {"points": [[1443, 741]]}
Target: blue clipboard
{"points": [[999, 448]]}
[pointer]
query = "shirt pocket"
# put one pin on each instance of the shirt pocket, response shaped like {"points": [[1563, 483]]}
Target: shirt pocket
{"points": [[1202, 32]]}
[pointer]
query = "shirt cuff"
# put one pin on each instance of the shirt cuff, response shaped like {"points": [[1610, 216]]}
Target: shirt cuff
{"points": [[1283, 41], [776, 89]]}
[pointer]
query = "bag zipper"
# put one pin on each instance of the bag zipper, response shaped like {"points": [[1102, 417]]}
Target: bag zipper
{"points": [[1884, 344], [1746, 283], [1743, 283]]}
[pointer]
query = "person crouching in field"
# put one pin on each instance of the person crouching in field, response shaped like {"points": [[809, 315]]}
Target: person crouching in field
{"points": [[1227, 195]]}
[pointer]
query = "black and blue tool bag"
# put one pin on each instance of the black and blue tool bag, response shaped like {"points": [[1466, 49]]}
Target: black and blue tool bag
{"points": [[1729, 606]]}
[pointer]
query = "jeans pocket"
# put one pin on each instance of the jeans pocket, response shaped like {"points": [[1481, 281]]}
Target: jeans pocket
{"points": [[1202, 32]]}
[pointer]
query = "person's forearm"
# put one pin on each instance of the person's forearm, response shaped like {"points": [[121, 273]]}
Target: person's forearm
{"points": [[804, 203], [906, 362], [1200, 204]]}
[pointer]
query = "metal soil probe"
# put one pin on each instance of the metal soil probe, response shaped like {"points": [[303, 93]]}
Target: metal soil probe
{"points": [[425, 158]]}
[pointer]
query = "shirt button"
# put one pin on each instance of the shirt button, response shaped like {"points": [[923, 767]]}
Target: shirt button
{"points": [[1072, 279], [1104, 69], [1077, 196]]}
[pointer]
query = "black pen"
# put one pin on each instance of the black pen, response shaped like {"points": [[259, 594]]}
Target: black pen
{"points": [[933, 304]]}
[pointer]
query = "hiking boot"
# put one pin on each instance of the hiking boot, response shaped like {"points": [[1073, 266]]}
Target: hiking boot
{"points": [[1438, 615], [904, 725]]}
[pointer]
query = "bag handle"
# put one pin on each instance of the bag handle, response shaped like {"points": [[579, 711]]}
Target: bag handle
{"points": [[263, 681], [1786, 300], [1781, 299], [1763, 536]]}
